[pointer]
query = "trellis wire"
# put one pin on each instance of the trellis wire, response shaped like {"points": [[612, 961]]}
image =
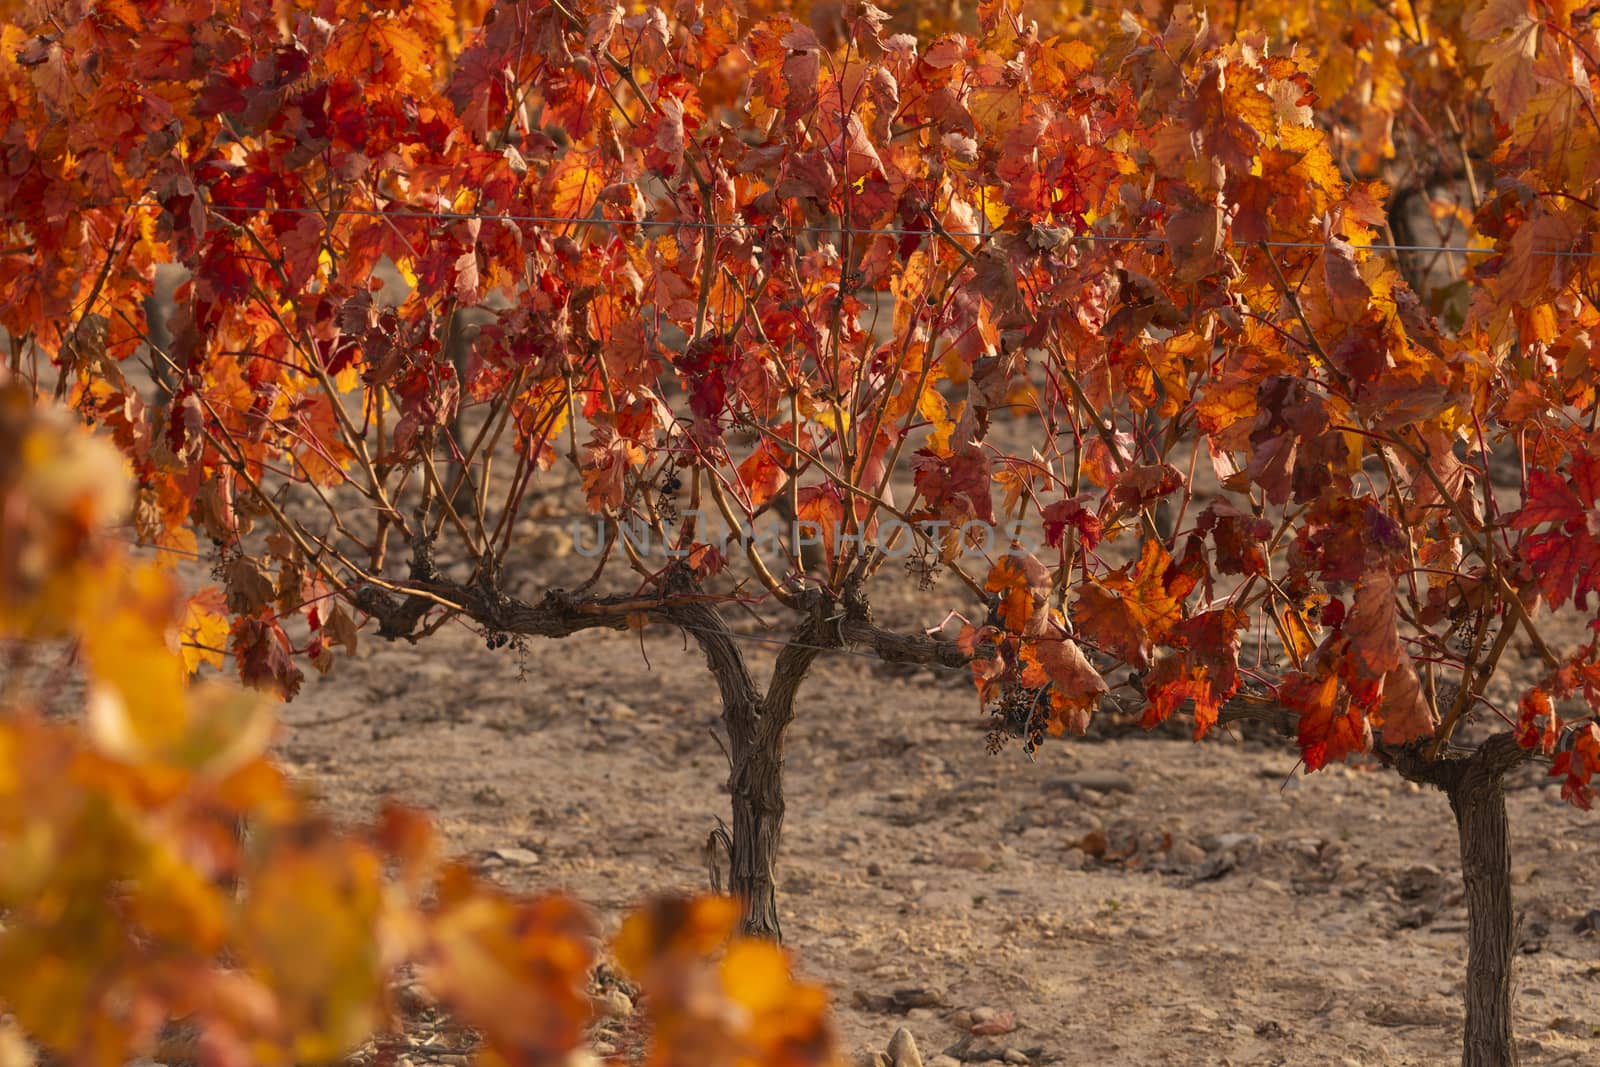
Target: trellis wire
{"points": [[897, 231]]}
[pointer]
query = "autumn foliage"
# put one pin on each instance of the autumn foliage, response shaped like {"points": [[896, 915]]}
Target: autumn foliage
{"points": [[131, 900], [1148, 248], [1261, 332]]}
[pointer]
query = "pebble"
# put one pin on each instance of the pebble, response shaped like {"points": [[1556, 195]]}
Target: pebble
{"points": [[616, 709], [983, 1015], [903, 1050], [1186, 854], [944, 1061], [604, 1048], [1012, 1055], [1098, 781], [874, 870], [960, 1019], [873, 1058], [1236, 840], [548, 542], [522, 857]]}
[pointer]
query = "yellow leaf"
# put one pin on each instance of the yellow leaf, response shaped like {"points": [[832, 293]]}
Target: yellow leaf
{"points": [[755, 975], [204, 633]]}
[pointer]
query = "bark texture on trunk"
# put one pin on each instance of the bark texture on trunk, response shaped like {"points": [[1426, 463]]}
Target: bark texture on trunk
{"points": [[1478, 799], [1476, 788], [757, 726]]}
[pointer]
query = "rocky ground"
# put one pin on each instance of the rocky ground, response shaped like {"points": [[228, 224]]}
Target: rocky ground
{"points": [[1128, 900]]}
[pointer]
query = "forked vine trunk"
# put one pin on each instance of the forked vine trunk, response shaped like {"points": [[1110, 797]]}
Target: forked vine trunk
{"points": [[757, 726]]}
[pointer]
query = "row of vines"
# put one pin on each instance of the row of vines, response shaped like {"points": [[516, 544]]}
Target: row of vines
{"points": [[1264, 330]]}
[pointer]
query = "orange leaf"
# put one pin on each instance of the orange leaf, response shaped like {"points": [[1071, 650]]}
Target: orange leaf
{"points": [[1131, 609]]}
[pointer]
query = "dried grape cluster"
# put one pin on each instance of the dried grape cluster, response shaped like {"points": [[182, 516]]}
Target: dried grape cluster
{"points": [[1022, 712]]}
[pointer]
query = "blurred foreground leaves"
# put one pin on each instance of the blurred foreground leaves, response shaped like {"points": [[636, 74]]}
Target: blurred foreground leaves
{"points": [[156, 867]]}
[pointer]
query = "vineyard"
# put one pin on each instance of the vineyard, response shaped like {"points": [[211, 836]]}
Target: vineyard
{"points": [[556, 532]]}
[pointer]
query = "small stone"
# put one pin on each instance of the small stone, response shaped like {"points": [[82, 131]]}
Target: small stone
{"points": [[960, 1019], [874, 870], [1072, 860], [522, 857], [1186, 854], [616, 709], [983, 1015], [1231, 841], [1573, 1027], [1099, 781], [944, 1061], [1590, 923], [613, 1004], [1012, 1055], [903, 1050], [873, 1058], [548, 542], [604, 1048]]}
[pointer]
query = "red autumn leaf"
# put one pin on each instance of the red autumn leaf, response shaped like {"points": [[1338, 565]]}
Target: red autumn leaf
{"points": [[1403, 709], [1566, 557], [1578, 765], [1535, 706], [1331, 727], [819, 519], [1372, 626], [957, 487], [1130, 609], [1241, 539], [1348, 292], [1022, 585], [264, 655], [1072, 512], [1050, 657], [763, 472], [1138, 487], [1204, 670]]}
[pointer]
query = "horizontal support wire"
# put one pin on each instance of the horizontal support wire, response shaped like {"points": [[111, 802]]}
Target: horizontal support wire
{"points": [[896, 231]]}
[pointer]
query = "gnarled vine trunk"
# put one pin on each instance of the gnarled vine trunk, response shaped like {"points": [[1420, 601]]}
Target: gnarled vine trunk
{"points": [[757, 726], [1478, 799], [1476, 788], [756, 785]]}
